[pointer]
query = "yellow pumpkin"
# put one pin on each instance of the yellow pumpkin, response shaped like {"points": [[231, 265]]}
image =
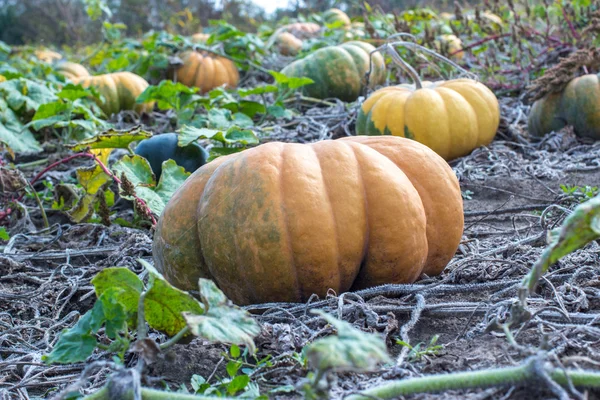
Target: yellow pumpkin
{"points": [[302, 30], [47, 56], [200, 37], [119, 89], [288, 44], [207, 71], [281, 221], [71, 70], [451, 117], [451, 44]]}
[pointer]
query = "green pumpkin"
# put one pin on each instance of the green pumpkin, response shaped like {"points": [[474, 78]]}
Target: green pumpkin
{"points": [[577, 105], [339, 71], [334, 15]]}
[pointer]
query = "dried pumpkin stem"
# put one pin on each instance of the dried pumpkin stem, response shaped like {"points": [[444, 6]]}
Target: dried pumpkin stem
{"points": [[416, 48], [401, 63]]}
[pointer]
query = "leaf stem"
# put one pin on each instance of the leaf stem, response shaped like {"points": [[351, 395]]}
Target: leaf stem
{"points": [[174, 339], [40, 205]]}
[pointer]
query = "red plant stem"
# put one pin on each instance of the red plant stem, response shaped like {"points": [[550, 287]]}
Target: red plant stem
{"points": [[104, 168], [55, 164], [530, 32], [571, 27]]}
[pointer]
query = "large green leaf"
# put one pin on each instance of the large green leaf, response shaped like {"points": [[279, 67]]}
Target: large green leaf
{"points": [[350, 349], [113, 139], [231, 136], [24, 95], [14, 134], [164, 305], [123, 278], [222, 322]]}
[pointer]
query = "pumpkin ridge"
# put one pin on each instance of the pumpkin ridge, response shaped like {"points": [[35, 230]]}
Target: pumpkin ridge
{"points": [[335, 225], [285, 222], [477, 144], [368, 228], [354, 65]]}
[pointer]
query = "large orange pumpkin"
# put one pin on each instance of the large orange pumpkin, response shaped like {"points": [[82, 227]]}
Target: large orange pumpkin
{"points": [[207, 71], [282, 221]]}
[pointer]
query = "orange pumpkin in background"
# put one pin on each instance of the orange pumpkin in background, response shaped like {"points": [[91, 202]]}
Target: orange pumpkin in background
{"points": [[206, 71]]}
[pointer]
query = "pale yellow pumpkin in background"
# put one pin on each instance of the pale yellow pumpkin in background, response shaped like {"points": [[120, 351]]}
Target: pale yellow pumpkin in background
{"points": [[451, 117], [120, 91]]}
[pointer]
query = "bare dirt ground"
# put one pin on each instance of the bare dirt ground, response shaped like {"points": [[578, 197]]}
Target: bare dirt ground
{"points": [[513, 196]]}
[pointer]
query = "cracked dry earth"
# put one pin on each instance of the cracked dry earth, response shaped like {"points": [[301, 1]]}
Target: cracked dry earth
{"points": [[513, 196]]}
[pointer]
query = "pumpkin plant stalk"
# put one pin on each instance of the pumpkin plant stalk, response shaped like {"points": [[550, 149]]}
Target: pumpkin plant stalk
{"points": [[521, 374]]}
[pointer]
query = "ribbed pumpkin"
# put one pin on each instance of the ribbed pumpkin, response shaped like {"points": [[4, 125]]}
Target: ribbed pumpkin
{"points": [[451, 117], [47, 56], [334, 15], [288, 44], [200, 37], [577, 105], [282, 221], [71, 70], [207, 71], [302, 30], [339, 71], [120, 90], [451, 44]]}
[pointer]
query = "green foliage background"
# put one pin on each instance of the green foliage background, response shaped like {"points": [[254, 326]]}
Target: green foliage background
{"points": [[64, 22]]}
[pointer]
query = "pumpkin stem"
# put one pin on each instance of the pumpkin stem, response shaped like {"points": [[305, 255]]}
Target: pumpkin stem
{"points": [[387, 48], [416, 48]]}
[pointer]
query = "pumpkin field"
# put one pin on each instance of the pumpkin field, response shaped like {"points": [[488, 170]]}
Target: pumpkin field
{"points": [[363, 200]]}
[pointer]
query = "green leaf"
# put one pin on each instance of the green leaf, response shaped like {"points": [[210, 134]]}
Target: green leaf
{"points": [[138, 172], [232, 368], [350, 349], [234, 351], [222, 322], [115, 314], [77, 343], [233, 135], [14, 134], [121, 278], [258, 90], [24, 95], [50, 109], [296, 82], [237, 384], [4, 234], [578, 229], [113, 139], [251, 108], [169, 95], [73, 92], [279, 112], [164, 304], [93, 180], [279, 77], [71, 348], [219, 118]]}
